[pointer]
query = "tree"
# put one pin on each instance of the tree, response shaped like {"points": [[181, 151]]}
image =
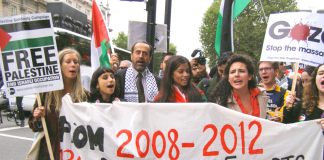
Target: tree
{"points": [[121, 40], [207, 32], [249, 27], [173, 48], [158, 58]]}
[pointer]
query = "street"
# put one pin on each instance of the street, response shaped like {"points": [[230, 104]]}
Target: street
{"points": [[15, 140]]}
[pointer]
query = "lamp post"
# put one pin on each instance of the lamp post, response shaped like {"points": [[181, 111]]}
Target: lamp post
{"points": [[167, 20], [150, 32]]}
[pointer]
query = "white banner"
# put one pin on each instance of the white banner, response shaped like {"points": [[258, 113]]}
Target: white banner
{"points": [[30, 63], [181, 131], [294, 37]]}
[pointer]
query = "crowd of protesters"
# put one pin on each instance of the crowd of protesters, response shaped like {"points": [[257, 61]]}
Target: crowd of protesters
{"points": [[236, 82]]}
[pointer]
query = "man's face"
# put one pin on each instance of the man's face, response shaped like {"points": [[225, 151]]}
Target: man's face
{"points": [[123, 65], [267, 73], [221, 69], [163, 64], [195, 69], [282, 68], [202, 68], [141, 56]]}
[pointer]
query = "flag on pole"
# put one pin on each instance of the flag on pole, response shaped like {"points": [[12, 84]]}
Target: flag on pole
{"points": [[224, 31], [101, 48], [5, 38]]}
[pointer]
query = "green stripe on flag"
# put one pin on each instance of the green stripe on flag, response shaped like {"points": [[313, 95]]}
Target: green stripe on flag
{"points": [[29, 43], [238, 7], [104, 58], [218, 34]]}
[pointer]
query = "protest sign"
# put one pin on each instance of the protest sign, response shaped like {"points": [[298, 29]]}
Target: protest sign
{"points": [[294, 37], [30, 62], [180, 131]]}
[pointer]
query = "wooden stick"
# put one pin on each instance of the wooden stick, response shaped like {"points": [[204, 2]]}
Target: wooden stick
{"points": [[293, 87], [48, 142], [296, 67]]}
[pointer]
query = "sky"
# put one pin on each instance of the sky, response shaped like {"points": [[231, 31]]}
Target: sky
{"points": [[186, 19]]}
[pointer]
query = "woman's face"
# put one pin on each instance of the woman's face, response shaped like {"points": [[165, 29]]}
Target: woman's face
{"points": [[239, 76], [70, 66], [106, 84], [320, 79], [181, 75], [306, 78]]}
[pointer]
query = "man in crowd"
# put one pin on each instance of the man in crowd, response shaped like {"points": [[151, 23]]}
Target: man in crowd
{"points": [[282, 78], [125, 64], [133, 79], [198, 69], [207, 84], [277, 95], [165, 57]]}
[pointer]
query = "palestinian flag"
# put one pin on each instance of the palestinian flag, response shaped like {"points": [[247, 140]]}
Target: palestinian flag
{"points": [[28, 34], [101, 48], [29, 61], [5, 38], [224, 31]]}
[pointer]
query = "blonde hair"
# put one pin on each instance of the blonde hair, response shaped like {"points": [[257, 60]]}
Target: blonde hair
{"points": [[78, 93]]}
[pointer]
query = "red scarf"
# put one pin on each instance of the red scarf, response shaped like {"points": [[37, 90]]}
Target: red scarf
{"points": [[253, 99], [179, 96]]}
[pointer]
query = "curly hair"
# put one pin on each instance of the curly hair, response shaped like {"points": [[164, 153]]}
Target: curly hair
{"points": [[311, 94], [223, 89]]}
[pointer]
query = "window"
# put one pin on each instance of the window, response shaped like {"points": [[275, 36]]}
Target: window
{"points": [[14, 10]]}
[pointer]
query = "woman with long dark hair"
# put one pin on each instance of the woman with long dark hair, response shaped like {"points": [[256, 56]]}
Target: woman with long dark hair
{"points": [[311, 106], [238, 88], [176, 84], [103, 86]]}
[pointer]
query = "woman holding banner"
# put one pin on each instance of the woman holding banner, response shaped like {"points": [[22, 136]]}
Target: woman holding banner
{"points": [[70, 61], [103, 86], [238, 89], [176, 83], [312, 104]]}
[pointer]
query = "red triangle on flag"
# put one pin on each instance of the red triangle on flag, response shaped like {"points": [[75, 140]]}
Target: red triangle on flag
{"points": [[5, 38]]}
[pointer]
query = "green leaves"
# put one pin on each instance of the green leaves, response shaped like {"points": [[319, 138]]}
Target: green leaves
{"points": [[249, 27]]}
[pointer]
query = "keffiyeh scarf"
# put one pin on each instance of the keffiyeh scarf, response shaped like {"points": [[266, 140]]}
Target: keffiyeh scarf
{"points": [[131, 93]]}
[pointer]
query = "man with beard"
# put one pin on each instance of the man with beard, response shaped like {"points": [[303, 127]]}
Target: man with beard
{"points": [[196, 72], [277, 95], [132, 80]]}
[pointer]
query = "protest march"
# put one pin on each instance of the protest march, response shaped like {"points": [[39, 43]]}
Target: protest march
{"points": [[101, 105]]}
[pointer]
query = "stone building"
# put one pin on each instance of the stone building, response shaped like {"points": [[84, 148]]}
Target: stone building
{"points": [[16, 7]]}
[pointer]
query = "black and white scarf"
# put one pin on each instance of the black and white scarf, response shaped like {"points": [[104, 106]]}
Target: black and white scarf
{"points": [[150, 86]]}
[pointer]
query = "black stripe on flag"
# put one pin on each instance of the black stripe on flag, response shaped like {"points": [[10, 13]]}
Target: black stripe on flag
{"points": [[22, 26], [226, 41]]}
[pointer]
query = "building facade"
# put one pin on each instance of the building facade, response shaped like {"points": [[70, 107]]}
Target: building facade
{"points": [[17, 7]]}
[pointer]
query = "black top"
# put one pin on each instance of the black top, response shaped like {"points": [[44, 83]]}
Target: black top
{"points": [[297, 113]]}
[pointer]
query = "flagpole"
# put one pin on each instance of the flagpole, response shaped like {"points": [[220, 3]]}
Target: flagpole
{"points": [[264, 15], [48, 141], [293, 87]]}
